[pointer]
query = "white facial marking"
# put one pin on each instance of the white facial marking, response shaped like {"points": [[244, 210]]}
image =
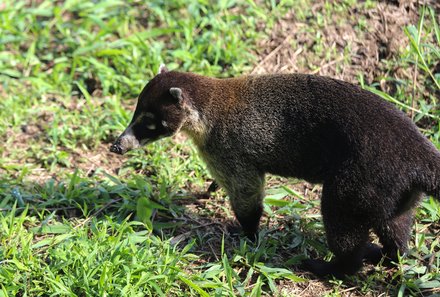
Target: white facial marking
{"points": [[150, 115], [151, 127], [164, 124], [128, 140]]}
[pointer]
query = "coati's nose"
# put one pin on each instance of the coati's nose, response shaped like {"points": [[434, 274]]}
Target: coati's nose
{"points": [[126, 142], [116, 148]]}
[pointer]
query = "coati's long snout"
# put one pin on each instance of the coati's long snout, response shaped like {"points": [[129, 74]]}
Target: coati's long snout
{"points": [[126, 142]]}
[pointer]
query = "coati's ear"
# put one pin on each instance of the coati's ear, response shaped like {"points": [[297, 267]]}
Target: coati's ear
{"points": [[182, 99], [162, 69], [177, 94]]}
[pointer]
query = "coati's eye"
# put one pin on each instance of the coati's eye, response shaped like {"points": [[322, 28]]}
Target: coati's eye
{"points": [[150, 121], [151, 125]]}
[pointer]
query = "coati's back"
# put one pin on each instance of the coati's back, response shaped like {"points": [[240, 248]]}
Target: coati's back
{"points": [[307, 126]]}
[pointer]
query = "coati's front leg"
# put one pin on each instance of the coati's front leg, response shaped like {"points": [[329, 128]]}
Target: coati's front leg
{"points": [[246, 192]]}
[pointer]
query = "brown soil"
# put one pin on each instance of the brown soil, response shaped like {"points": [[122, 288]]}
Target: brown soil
{"points": [[381, 38]]}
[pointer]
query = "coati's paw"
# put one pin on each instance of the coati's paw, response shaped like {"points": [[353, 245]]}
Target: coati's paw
{"points": [[373, 254], [320, 268], [234, 230], [324, 269], [252, 236], [237, 231]]}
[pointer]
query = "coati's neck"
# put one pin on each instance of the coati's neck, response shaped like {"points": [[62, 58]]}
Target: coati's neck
{"points": [[210, 99]]}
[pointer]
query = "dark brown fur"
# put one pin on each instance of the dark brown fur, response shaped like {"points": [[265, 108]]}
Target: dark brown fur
{"points": [[371, 159]]}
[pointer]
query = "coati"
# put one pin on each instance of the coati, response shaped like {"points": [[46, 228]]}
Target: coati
{"points": [[373, 162]]}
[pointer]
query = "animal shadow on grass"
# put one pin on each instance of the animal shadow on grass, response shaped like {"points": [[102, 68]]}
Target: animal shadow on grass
{"points": [[283, 241]]}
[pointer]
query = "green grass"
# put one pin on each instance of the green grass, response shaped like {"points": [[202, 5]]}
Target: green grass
{"points": [[78, 221]]}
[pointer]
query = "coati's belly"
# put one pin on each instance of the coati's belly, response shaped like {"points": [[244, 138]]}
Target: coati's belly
{"points": [[311, 153], [308, 163], [312, 159]]}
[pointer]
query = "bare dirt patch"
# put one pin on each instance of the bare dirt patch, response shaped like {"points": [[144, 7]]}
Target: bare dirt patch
{"points": [[82, 158], [359, 42]]}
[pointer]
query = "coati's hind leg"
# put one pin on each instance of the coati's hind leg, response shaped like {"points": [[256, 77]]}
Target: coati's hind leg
{"points": [[246, 191], [347, 235], [394, 235]]}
